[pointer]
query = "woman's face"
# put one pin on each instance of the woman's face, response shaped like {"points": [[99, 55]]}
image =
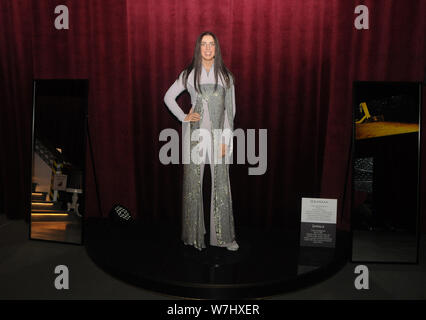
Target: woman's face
{"points": [[207, 48]]}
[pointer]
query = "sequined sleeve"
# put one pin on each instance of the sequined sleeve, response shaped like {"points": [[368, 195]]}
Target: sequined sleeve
{"points": [[229, 114]]}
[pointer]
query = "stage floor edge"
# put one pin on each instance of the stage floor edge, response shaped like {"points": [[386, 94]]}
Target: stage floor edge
{"points": [[268, 263]]}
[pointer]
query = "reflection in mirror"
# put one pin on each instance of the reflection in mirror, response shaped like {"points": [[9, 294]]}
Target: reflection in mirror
{"points": [[386, 172], [58, 167]]}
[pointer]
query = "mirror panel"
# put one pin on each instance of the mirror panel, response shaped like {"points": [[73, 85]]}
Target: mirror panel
{"points": [[58, 166], [385, 172]]}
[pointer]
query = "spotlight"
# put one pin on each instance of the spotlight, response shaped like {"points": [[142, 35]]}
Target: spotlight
{"points": [[119, 214]]}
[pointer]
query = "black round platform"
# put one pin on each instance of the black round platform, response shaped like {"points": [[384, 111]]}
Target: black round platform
{"points": [[153, 257]]}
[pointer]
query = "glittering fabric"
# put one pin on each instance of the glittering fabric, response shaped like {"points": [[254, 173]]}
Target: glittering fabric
{"points": [[193, 227]]}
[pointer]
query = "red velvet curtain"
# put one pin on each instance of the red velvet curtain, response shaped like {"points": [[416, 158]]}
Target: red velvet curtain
{"points": [[294, 63]]}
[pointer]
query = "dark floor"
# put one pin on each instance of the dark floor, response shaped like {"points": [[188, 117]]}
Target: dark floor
{"points": [[27, 272], [384, 246]]}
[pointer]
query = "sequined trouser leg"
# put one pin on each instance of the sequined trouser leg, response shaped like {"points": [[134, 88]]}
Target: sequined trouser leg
{"points": [[207, 159]]}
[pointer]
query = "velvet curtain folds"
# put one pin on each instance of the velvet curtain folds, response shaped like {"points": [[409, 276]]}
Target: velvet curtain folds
{"points": [[294, 63]]}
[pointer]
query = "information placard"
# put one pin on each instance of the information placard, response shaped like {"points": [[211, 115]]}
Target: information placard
{"points": [[318, 222]]}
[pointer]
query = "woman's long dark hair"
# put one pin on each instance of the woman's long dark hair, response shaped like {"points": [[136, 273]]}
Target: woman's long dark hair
{"points": [[196, 64]]}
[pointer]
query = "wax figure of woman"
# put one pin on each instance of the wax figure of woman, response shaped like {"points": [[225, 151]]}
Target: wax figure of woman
{"points": [[211, 87]]}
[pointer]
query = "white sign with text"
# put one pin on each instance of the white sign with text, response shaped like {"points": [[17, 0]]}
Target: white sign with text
{"points": [[318, 210], [318, 222]]}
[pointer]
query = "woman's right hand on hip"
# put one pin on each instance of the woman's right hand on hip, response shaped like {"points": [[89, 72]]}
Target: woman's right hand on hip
{"points": [[192, 116]]}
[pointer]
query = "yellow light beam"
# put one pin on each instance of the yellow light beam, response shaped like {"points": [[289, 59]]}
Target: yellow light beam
{"points": [[49, 214]]}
